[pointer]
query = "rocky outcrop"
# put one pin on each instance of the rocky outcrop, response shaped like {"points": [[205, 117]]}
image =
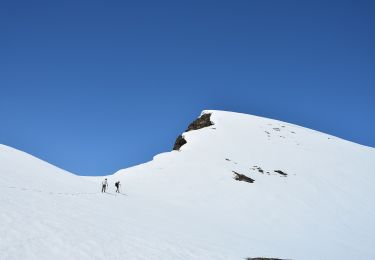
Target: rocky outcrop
{"points": [[241, 177], [201, 122], [180, 141], [281, 173]]}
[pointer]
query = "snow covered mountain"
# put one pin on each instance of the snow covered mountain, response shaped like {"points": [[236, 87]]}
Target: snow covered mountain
{"points": [[236, 186]]}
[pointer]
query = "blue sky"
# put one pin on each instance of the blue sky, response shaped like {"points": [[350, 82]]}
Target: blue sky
{"points": [[96, 86]]}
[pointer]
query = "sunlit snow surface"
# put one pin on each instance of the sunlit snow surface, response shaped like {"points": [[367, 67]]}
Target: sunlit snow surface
{"points": [[186, 204]]}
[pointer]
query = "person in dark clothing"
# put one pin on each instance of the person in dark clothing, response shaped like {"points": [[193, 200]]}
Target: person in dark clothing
{"points": [[117, 184], [104, 185]]}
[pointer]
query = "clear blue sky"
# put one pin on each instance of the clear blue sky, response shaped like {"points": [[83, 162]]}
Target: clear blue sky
{"points": [[96, 86]]}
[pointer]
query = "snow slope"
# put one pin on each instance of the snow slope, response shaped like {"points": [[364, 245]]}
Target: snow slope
{"points": [[187, 205]]}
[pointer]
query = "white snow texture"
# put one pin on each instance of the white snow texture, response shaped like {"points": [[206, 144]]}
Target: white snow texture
{"points": [[187, 205]]}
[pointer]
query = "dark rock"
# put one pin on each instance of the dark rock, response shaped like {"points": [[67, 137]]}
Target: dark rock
{"points": [[259, 169], [201, 122], [281, 172], [241, 177], [180, 141]]}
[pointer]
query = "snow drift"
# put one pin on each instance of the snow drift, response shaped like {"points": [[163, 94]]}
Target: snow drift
{"points": [[240, 186]]}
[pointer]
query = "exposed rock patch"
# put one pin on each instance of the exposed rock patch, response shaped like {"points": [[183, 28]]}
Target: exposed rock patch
{"points": [[180, 141], [241, 177], [281, 173], [259, 169], [201, 122]]}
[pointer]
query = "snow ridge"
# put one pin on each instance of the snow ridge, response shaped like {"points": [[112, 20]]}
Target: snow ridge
{"points": [[311, 197]]}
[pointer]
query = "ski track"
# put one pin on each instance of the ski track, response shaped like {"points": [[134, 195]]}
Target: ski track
{"points": [[53, 193]]}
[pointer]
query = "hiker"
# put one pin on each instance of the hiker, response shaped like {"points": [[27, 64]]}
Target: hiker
{"points": [[104, 185], [117, 184]]}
